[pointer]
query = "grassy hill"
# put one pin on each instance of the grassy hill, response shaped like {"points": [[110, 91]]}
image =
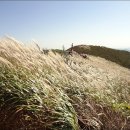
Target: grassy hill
{"points": [[119, 56], [54, 92]]}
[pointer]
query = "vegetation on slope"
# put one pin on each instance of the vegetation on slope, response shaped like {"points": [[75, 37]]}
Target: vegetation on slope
{"points": [[118, 56], [53, 92]]}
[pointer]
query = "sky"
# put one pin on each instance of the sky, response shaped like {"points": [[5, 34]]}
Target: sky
{"points": [[53, 24]]}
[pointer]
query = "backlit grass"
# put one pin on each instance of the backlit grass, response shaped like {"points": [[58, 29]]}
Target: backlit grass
{"points": [[54, 92]]}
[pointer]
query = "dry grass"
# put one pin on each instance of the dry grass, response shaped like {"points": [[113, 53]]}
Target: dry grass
{"points": [[53, 92]]}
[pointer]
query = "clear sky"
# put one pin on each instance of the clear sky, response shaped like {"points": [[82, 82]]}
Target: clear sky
{"points": [[56, 23]]}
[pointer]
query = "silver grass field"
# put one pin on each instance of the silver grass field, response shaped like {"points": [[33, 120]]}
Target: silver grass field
{"points": [[60, 92]]}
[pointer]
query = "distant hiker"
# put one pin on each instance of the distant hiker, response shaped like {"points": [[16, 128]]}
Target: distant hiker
{"points": [[72, 47], [71, 50]]}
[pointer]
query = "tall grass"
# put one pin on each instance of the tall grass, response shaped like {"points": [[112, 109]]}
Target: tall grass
{"points": [[53, 92]]}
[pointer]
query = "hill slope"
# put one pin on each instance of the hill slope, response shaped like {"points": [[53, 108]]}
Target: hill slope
{"points": [[119, 56], [54, 92]]}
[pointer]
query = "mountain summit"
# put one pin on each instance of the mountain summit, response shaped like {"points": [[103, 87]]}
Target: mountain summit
{"points": [[120, 57]]}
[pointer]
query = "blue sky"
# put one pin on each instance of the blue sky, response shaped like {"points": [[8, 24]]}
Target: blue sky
{"points": [[56, 23]]}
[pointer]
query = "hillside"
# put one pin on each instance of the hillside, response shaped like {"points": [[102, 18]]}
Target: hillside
{"points": [[121, 57], [54, 92]]}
